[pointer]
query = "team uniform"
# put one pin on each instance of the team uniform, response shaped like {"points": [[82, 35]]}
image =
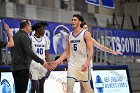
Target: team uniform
{"points": [[39, 45], [78, 57]]}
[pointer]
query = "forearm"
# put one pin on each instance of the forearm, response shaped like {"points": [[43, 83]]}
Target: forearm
{"points": [[102, 47], [66, 52], [47, 58], [90, 55], [62, 57], [10, 40], [106, 49], [34, 56]]}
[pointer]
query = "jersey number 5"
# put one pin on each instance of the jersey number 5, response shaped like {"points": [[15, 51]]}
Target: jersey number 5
{"points": [[75, 47]]}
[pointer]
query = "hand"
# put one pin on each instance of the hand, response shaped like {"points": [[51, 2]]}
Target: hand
{"points": [[47, 66], [6, 27], [53, 64], [117, 53], [84, 67]]}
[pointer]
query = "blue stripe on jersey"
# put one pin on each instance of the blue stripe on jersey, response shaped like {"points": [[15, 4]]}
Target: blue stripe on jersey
{"points": [[78, 34]]}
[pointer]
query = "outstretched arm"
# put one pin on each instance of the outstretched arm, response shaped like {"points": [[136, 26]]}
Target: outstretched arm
{"points": [[11, 41], [104, 48]]}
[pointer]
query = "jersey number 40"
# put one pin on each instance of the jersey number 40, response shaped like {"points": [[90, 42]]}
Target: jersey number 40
{"points": [[39, 51]]}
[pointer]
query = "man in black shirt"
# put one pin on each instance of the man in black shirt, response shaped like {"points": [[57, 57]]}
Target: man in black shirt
{"points": [[22, 55]]}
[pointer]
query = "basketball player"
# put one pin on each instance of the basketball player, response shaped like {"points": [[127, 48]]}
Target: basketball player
{"points": [[40, 46], [98, 45], [79, 48]]}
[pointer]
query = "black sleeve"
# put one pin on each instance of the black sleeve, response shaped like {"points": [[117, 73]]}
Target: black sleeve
{"points": [[26, 44], [3, 44]]}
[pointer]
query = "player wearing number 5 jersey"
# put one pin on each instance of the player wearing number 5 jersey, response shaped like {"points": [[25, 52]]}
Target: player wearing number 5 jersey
{"points": [[40, 46], [78, 56], [79, 49]]}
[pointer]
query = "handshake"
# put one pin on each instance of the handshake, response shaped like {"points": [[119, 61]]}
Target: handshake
{"points": [[50, 65]]}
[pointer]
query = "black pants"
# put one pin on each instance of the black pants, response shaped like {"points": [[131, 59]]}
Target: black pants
{"points": [[37, 86], [21, 78]]}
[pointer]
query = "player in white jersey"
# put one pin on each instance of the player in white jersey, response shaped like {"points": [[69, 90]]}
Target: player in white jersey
{"points": [[79, 48], [98, 45], [40, 46]]}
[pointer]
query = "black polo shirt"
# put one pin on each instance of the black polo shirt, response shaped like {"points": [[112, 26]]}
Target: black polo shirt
{"points": [[22, 53]]}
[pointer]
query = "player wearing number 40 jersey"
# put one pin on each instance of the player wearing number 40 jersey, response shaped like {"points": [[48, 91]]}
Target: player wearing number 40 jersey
{"points": [[40, 46]]}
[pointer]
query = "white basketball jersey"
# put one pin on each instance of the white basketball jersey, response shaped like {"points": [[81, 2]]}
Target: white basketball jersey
{"points": [[78, 50], [39, 45]]}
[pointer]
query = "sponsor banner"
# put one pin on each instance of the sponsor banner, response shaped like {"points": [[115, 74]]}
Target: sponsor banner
{"points": [[55, 83], [110, 81], [55, 31], [7, 83], [94, 2], [126, 41], [108, 3]]}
